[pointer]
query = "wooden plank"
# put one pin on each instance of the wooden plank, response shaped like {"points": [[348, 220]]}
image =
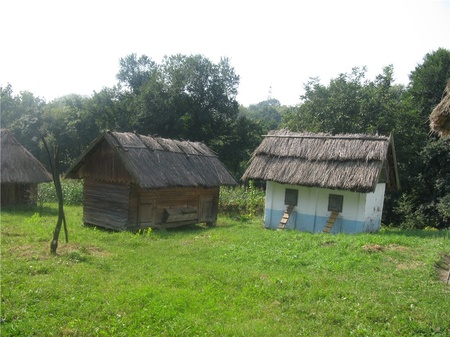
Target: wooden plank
{"points": [[180, 214]]}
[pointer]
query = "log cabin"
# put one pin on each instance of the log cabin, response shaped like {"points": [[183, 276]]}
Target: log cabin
{"points": [[133, 182]]}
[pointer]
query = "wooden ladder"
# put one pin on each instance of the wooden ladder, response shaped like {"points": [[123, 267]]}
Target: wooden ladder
{"points": [[330, 222], [286, 215]]}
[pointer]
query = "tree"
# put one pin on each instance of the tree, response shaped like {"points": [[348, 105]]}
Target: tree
{"points": [[427, 82], [235, 146], [135, 72], [349, 104], [22, 114], [428, 204], [187, 97], [69, 123], [268, 113], [424, 92], [111, 109]]}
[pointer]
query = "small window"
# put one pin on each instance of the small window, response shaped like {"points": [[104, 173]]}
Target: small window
{"points": [[335, 203], [291, 197]]}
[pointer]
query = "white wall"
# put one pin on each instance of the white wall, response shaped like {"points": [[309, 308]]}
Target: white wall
{"points": [[360, 211], [374, 208]]}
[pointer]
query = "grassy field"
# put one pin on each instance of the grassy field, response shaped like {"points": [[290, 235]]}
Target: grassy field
{"points": [[236, 279]]}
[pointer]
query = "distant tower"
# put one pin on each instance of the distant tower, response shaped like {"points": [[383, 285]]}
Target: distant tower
{"points": [[269, 94]]}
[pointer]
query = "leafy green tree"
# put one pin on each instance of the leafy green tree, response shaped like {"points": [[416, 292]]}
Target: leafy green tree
{"points": [[349, 104], [187, 97], [69, 124], [428, 204], [135, 72], [235, 146], [268, 113], [111, 109], [22, 114], [8, 106], [424, 159], [427, 82]]}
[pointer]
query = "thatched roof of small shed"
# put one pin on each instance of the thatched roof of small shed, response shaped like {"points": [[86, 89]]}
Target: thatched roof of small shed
{"points": [[347, 162], [18, 165], [154, 162], [440, 116]]}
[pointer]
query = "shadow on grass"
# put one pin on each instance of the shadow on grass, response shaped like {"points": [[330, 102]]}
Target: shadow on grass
{"points": [[29, 210], [194, 228]]}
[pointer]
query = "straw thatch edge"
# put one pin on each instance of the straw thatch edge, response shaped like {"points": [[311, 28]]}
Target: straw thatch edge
{"points": [[440, 116], [18, 165], [348, 162]]}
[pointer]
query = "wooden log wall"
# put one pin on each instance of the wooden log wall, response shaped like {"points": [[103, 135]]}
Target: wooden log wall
{"points": [[104, 165], [18, 194], [106, 204], [123, 206], [203, 200]]}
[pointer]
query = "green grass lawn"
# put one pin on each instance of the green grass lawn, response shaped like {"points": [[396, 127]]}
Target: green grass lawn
{"points": [[236, 279]]}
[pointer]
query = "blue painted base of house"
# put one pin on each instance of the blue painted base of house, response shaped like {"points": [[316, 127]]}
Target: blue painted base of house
{"points": [[316, 224]]}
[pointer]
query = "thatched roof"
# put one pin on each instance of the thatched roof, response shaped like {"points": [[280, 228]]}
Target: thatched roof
{"points": [[153, 162], [440, 116], [17, 164], [347, 162]]}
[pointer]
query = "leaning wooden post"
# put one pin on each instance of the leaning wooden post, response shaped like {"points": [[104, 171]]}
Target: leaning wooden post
{"points": [[61, 217]]}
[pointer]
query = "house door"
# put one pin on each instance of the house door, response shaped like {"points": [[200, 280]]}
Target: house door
{"points": [[146, 213]]}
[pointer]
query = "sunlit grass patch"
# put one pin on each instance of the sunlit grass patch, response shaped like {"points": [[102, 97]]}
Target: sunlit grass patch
{"points": [[236, 279]]}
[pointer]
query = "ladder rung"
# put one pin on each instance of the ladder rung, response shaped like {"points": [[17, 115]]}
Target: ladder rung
{"points": [[330, 222]]}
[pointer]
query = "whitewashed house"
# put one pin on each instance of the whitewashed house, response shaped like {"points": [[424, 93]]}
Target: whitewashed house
{"points": [[323, 182]]}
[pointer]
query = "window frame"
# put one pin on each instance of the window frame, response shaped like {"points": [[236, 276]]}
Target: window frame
{"points": [[291, 194], [335, 203]]}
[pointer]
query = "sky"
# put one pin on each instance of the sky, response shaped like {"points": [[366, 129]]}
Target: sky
{"points": [[54, 48]]}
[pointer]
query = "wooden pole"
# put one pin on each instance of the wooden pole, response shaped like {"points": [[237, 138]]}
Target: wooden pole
{"points": [[54, 166]]}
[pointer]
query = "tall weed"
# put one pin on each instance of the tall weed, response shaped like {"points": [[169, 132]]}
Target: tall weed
{"points": [[244, 201], [72, 192]]}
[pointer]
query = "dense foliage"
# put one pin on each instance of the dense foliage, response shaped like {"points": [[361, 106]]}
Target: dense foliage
{"points": [[190, 97]]}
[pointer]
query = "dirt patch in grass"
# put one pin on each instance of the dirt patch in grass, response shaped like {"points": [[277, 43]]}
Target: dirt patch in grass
{"points": [[373, 248], [402, 265], [443, 268]]}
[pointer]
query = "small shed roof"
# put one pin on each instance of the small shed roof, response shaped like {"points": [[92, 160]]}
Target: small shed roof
{"points": [[349, 162], [18, 165], [153, 162]]}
